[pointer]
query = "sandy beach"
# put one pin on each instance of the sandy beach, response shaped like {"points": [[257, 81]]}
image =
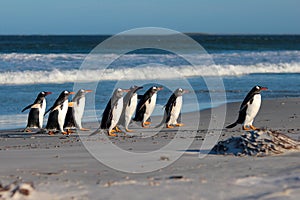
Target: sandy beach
{"points": [[60, 167]]}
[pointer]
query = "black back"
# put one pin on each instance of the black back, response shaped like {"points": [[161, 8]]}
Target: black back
{"points": [[69, 120], [169, 106], [33, 116], [249, 98], [108, 111], [53, 120], [141, 108]]}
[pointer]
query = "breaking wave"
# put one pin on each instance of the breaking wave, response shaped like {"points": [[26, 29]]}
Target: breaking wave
{"points": [[141, 73]]}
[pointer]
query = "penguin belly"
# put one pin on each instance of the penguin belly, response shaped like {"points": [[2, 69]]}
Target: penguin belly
{"points": [[175, 111], [129, 111], [78, 110], [41, 113], [252, 109], [62, 112], [116, 114], [149, 107]]}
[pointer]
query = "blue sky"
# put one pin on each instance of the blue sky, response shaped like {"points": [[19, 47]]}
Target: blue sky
{"points": [[113, 16]]}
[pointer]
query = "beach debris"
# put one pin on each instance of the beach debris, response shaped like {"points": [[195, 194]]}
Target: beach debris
{"points": [[257, 143], [16, 191]]}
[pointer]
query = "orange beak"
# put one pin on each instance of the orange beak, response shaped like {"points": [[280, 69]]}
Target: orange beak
{"points": [[264, 88], [71, 92], [160, 88], [87, 91]]}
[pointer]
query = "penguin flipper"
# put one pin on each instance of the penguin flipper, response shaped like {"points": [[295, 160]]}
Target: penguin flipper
{"points": [[231, 125], [27, 107]]}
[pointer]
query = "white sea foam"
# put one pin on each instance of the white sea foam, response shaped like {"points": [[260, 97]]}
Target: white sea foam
{"points": [[141, 73]]}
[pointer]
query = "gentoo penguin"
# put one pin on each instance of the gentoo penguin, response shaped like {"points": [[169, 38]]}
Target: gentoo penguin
{"points": [[249, 109], [173, 109], [58, 113], [37, 111], [113, 111], [146, 106], [129, 106], [75, 111]]}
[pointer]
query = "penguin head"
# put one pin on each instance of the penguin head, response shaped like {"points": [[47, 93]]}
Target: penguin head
{"points": [[82, 92], [43, 94], [118, 93], [65, 94], [179, 92], [257, 89], [156, 89], [135, 88]]}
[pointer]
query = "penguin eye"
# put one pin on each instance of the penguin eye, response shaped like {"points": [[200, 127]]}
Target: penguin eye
{"points": [[43, 92], [257, 87], [66, 92], [154, 88]]}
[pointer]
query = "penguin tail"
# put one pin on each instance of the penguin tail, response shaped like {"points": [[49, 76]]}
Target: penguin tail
{"points": [[95, 132], [162, 121], [232, 125]]}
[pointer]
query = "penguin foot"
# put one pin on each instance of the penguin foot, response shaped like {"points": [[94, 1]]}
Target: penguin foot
{"points": [[65, 133], [84, 129], [144, 126], [169, 126], [111, 133], [179, 124], [51, 133], [128, 130], [117, 129], [246, 128], [27, 130], [253, 127], [69, 131], [147, 123]]}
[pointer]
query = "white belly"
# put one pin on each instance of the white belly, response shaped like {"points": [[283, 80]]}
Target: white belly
{"points": [[150, 107], [175, 111], [78, 110], [41, 113], [252, 109], [117, 111], [129, 111], [62, 115]]}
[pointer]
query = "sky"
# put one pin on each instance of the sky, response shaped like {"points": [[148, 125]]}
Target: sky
{"points": [[46, 17]]}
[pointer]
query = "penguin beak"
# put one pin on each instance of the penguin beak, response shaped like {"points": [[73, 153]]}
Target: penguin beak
{"points": [[87, 91], [47, 93], [160, 88], [71, 92], [185, 91], [264, 88], [125, 90]]}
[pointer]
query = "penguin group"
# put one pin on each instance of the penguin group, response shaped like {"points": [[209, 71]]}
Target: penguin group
{"points": [[64, 116]]}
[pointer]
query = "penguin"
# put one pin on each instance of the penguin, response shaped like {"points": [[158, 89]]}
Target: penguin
{"points": [[173, 109], [146, 106], [113, 111], [37, 111], [58, 113], [249, 109], [129, 106], [75, 111]]}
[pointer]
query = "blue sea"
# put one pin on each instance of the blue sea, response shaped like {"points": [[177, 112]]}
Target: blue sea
{"points": [[30, 64]]}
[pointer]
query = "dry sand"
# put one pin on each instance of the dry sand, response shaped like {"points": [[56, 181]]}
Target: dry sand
{"points": [[61, 168]]}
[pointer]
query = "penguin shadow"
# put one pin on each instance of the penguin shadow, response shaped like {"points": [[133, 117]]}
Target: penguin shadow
{"points": [[18, 134]]}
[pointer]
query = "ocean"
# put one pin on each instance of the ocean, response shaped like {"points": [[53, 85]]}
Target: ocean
{"points": [[30, 64]]}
